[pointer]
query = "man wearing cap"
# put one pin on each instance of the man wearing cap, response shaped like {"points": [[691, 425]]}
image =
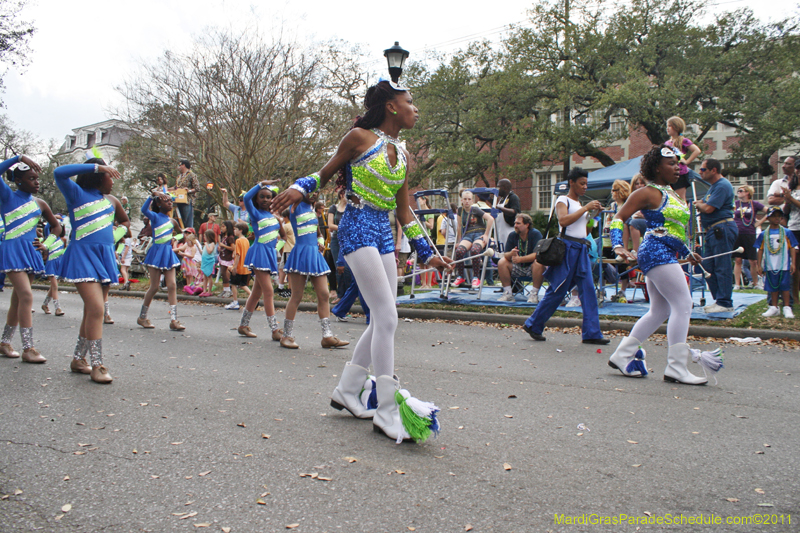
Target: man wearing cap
{"points": [[716, 217], [212, 225], [187, 180], [238, 211]]}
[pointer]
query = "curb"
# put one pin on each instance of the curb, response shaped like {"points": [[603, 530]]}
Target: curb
{"points": [[516, 320]]}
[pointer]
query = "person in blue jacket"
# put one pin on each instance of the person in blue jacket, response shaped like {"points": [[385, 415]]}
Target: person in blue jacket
{"points": [[261, 257], [20, 258], [89, 261]]}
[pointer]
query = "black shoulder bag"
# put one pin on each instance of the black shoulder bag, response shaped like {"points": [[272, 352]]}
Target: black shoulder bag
{"points": [[551, 251]]}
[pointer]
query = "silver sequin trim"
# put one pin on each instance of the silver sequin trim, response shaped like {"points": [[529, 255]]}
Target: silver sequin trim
{"points": [[312, 274], [246, 315], [326, 327], [27, 337], [96, 352]]}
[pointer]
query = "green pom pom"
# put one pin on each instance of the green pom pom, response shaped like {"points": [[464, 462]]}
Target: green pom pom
{"points": [[418, 428]]}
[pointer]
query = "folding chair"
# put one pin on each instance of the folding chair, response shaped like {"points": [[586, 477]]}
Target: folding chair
{"points": [[498, 246], [139, 252], [421, 213]]}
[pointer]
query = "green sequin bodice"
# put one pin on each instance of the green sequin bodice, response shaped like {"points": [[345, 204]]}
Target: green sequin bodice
{"points": [[374, 180]]}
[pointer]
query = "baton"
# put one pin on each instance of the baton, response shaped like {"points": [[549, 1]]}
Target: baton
{"points": [[489, 252]]}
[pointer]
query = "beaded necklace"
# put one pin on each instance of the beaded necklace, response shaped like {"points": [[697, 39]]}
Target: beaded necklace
{"points": [[780, 250], [739, 206], [781, 242]]}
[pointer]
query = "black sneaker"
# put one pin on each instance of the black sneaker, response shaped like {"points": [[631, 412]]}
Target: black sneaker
{"points": [[534, 336], [596, 341]]}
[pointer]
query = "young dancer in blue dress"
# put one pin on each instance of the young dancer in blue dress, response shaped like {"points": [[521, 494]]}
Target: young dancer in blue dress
{"points": [[56, 246], [89, 261], [305, 260], [261, 257], [161, 259], [20, 259]]}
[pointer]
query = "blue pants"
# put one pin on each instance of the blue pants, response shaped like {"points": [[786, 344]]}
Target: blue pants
{"points": [[347, 300], [720, 239], [343, 279], [574, 271], [187, 214]]}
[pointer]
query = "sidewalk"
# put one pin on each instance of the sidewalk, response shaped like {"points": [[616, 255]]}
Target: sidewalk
{"points": [[517, 320]]}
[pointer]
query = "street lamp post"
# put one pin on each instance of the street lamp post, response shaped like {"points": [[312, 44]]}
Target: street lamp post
{"points": [[396, 57]]}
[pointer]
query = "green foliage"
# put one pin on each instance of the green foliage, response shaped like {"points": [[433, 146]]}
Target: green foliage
{"points": [[576, 83], [15, 35], [540, 221]]}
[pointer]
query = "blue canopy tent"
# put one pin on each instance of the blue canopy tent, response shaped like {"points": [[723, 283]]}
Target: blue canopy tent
{"points": [[600, 181]]}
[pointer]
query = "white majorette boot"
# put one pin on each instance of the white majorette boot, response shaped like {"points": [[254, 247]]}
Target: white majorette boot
{"points": [[676, 371], [400, 416], [348, 393], [629, 358]]}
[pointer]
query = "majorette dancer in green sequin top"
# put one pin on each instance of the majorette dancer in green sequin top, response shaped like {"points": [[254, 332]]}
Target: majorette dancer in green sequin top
{"points": [[667, 218], [373, 166]]}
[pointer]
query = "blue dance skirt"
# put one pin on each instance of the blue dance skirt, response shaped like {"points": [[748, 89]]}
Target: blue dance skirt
{"points": [[261, 257], [306, 260], [19, 255], [53, 266], [90, 261], [162, 257]]}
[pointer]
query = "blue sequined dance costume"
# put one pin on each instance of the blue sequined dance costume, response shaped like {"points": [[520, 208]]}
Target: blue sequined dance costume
{"points": [[305, 257], [375, 182], [666, 232], [160, 254], [262, 255], [669, 294], [90, 255], [21, 215]]}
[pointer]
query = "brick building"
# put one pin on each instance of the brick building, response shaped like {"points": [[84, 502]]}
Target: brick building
{"points": [[536, 192]]}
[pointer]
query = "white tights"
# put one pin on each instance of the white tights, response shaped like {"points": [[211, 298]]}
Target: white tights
{"points": [[669, 299], [376, 276]]}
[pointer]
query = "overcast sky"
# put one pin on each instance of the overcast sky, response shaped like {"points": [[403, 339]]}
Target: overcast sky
{"points": [[81, 53]]}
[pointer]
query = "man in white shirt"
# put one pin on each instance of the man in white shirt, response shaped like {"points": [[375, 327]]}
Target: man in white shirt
{"points": [[777, 188]]}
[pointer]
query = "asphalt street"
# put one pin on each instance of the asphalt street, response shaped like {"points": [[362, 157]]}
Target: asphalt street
{"points": [[204, 430]]}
